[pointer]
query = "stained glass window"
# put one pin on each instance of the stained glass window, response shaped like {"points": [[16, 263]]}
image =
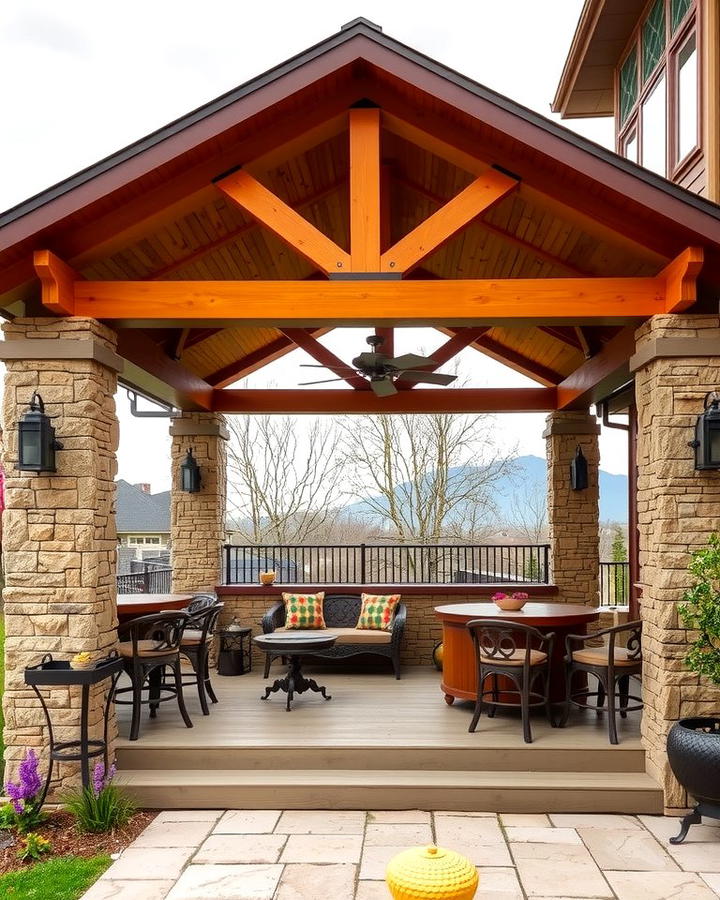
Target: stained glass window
{"points": [[653, 38], [628, 85], [678, 9]]}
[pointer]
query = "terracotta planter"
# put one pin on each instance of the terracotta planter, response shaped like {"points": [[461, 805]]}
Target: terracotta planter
{"points": [[510, 604], [267, 578]]}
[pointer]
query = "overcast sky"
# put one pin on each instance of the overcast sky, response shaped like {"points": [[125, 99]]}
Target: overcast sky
{"points": [[79, 80]]}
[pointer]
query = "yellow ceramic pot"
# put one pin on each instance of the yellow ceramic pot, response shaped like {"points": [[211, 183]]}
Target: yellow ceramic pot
{"points": [[431, 873], [267, 577]]}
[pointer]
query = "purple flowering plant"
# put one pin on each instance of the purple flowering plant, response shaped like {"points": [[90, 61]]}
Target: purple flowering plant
{"points": [[102, 805], [25, 794]]}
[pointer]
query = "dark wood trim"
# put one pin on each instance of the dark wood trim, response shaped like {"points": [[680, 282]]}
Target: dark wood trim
{"points": [[335, 366], [256, 359], [341, 402], [407, 590], [154, 373], [597, 377]]}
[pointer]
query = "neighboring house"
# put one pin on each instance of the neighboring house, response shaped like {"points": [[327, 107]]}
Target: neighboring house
{"points": [[143, 520], [655, 68]]}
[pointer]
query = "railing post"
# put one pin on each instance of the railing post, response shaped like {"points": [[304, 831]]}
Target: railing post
{"points": [[146, 579], [362, 563]]}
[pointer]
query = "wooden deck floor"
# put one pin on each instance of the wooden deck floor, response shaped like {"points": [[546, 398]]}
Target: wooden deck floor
{"points": [[378, 743], [366, 710]]}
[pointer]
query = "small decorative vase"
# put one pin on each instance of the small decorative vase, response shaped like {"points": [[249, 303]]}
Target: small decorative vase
{"points": [[437, 656], [267, 578], [431, 872]]}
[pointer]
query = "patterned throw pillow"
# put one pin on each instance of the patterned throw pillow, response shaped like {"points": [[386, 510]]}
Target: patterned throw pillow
{"points": [[304, 610], [377, 611]]}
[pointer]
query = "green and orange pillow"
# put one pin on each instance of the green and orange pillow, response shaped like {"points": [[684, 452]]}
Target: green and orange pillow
{"points": [[377, 611], [304, 610]]}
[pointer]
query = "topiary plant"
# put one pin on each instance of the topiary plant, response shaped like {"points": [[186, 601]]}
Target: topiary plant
{"points": [[700, 610]]}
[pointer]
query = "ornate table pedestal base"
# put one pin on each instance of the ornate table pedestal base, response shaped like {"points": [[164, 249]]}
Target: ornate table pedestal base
{"points": [[295, 682]]}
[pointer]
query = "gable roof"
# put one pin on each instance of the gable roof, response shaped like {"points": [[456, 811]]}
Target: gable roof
{"points": [[138, 511], [210, 118]]}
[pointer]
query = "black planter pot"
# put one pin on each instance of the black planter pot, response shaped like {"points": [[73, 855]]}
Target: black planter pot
{"points": [[693, 749]]}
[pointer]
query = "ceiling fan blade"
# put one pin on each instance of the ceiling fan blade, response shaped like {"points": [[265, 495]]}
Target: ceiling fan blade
{"points": [[320, 366], [410, 361], [428, 377], [383, 387], [324, 381]]}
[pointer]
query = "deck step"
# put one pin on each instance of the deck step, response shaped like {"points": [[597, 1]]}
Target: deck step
{"points": [[516, 758], [488, 791]]}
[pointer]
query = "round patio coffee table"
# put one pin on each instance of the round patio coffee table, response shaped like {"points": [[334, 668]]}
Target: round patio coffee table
{"points": [[294, 645]]}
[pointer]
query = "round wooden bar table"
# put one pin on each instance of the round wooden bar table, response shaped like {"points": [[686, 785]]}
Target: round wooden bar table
{"points": [[130, 606], [459, 678]]}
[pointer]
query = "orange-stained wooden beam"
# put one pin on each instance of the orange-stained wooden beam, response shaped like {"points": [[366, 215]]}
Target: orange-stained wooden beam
{"points": [[478, 197], [256, 359], [533, 249], [58, 280], [365, 190], [430, 400], [374, 303], [680, 278], [599, 376], [283, 221], [336, 368]]}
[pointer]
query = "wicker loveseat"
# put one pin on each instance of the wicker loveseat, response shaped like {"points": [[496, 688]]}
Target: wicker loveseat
{"points": [[341, 613]]}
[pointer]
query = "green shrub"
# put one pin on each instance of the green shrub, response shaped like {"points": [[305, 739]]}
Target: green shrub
{"points": [[700, 610], [101, 806]]}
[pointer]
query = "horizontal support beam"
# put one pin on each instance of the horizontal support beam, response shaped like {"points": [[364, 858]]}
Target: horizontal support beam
{"points": [[411, 302], [348, 402]]}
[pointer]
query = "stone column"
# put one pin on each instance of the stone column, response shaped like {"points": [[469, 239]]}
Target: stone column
{"points": [[573, 515], [59, 539], [197, 521], [677, 362]]}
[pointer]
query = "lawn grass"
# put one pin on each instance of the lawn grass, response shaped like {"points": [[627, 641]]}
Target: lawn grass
{"points": [[65, 878]]}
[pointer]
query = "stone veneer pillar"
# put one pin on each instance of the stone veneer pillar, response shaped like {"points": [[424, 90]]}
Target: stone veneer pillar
{"points": [[676, 363], [573, 515], [59, 538], [197, 521]]}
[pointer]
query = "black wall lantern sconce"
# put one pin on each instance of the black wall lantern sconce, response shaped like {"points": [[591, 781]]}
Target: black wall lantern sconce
{"points": [[707, 434], [36, 439], [579, 471], [190, 474]]}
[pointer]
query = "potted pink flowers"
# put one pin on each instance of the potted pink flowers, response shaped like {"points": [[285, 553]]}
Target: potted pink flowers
{"points": [[511, 603]]}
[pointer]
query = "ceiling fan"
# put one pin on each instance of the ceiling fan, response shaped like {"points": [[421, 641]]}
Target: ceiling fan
{"points": [[382, 371]]}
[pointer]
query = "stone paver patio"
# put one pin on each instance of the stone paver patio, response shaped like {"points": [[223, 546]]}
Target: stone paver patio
{"points": [[341, 855]]}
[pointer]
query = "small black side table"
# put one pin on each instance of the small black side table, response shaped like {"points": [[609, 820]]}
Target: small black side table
{"points": [[293, 644], [235, 648], [58, 672]]}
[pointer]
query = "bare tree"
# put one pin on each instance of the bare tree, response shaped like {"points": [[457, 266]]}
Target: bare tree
{"points": [[283, 478], [529, 513], [424, 476]]}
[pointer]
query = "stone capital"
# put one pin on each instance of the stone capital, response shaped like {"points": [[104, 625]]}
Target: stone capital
{"points": [[669, 348], [189, 428], [60, 348]]}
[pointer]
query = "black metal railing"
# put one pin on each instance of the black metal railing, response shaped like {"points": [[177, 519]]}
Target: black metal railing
{"points": [[389, 563], [614, 583], [145, 578]]}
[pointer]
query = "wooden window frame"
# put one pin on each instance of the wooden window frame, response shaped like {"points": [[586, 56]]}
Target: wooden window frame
{"points": [[674, 42]]}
